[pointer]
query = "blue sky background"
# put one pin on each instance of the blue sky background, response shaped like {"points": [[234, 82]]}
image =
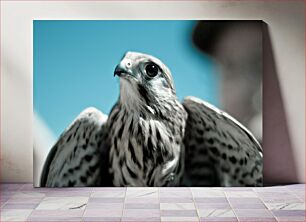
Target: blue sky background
{"points": [[74, 63]]}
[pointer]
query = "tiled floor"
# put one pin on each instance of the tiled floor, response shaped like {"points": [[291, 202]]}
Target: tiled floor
{"points": [[22, 202]]}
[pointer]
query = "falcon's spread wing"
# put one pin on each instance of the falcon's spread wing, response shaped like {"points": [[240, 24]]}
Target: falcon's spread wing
{"points": [[219, 151], [80, 156]]}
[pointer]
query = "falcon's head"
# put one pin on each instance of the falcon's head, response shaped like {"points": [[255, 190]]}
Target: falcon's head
{"points": [[144, 80]]}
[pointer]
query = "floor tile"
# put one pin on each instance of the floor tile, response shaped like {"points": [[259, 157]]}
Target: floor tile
{"points": [[216, 213], [20, 206], [245, 200], [176, 200], [3, 199], [24, 194], [55, 219], [101, 219], [237, 189], [106, 200], [296, 186], [240, 194], [110, 189], [210, 200], [140, 189], [285, 206], [278, 189], [178, 213], [289, 213], [224, 205], [236, 205], [291, 219], [68, 193], [107, 193], [27, 187], [142, 213], [136, 192], [179, 219], [207, 192], [259, 213], [62, 203], [273, 197], [175, 193], [218, 219], [97, 205], [55, 215], [141, 206], [299, 194], [254, 219], [103, 213], [10, 186], [144, 219], [7, 193], [281, 200], [14, 214], [142, 200], [64, 189], [25, 200], [178, 189], [177, 206]]}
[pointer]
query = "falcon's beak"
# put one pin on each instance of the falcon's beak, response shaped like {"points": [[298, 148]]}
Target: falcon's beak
{"points": [[120, 71]]}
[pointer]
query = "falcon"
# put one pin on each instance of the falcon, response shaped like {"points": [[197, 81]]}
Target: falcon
{"points": [[150, 138]]}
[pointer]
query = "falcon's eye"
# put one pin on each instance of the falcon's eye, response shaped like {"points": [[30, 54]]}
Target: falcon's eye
{"points": [[152, 69]]}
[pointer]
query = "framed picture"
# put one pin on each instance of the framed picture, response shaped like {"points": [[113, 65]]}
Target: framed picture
{"points": [[148, 103]]}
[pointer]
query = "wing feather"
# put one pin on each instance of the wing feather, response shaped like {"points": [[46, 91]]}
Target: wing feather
{"points": [[75, 159], [220, 151]]}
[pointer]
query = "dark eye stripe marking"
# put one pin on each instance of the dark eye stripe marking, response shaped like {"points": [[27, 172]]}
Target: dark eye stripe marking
{"points": [[144, 93]]}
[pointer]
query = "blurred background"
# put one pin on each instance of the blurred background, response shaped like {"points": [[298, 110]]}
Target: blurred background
{"points": [[237, 49], [217, 61]]}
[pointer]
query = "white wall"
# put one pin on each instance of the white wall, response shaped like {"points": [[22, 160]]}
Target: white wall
{"points": [[285, 20]]}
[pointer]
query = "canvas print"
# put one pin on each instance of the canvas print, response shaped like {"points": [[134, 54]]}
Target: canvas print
{"points": [[147, 103]]}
